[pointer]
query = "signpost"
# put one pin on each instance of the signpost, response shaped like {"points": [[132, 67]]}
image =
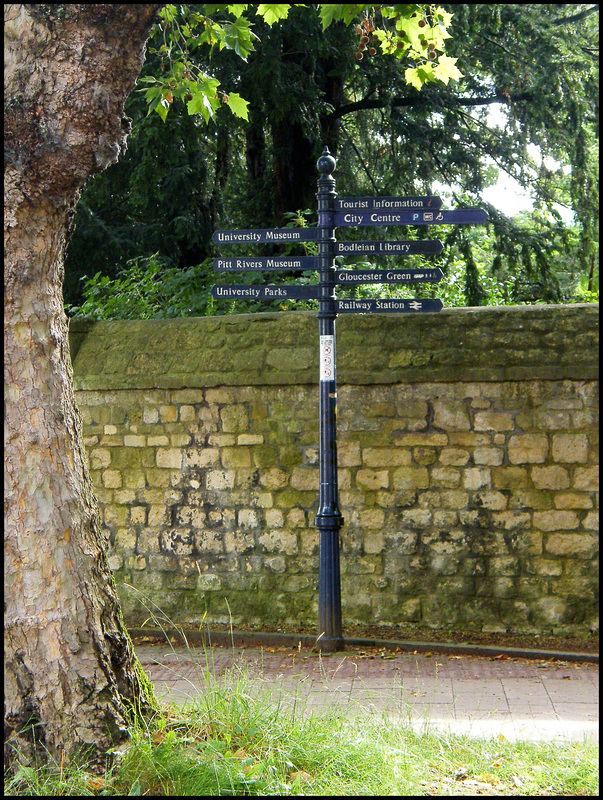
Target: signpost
{"points": [[464, 216], [263, 264], [336, 212]]}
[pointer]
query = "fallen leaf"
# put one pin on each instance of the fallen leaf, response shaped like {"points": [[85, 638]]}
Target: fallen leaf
{"points": [[502, 738], [501, 657], [301, 776], [516, 781]]}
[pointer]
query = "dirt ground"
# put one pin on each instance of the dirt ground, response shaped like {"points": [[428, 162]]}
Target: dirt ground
{"points": [[567, 644]]}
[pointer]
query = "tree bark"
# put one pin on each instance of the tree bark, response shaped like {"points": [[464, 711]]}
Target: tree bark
{"points": [[71, 676]]}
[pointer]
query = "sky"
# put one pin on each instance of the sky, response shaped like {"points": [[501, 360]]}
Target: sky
{"points": [[507, 195]]}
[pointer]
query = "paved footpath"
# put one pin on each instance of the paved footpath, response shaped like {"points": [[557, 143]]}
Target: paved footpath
{"points": [[481, 696]]}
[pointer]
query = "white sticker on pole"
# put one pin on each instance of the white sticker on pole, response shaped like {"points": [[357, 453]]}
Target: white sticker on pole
{"points": [[327, 358]]}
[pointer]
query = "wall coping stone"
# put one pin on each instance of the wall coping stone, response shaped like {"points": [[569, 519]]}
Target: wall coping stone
{"points": [[493, 343]]}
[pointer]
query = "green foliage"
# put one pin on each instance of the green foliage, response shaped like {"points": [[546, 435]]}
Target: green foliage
{"points": [[235, 739], [146, 289], [183, 29], [181, 179]]}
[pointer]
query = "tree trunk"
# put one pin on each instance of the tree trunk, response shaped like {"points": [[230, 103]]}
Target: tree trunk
{"points": [[71, 675]]}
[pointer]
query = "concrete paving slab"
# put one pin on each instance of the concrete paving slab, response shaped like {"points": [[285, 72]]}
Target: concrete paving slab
{"points": [[479, 696]]}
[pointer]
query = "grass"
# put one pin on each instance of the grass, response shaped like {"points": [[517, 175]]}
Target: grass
{"points": [[236, 738], [233, 740]]}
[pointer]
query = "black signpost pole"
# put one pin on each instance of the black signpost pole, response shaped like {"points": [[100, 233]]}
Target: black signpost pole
{"points": [[328, 518]]}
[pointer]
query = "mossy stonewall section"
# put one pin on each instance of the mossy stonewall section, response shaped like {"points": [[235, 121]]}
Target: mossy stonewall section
{"points": [[467, 455]]}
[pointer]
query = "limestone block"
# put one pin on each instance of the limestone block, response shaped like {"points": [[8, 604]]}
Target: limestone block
{"points": [[138, 515], [415, 518], [180, 439], [168, 413], [551, 610], [476, 478], [410, 478], [169, 458], [509, 478], [250, 439], [235, 419], [555, 520], [136, 562], [305, 478], [187, 413], [274, 478], [454, 498], [239, 541], [265, 500], [248, 518], [115, 562], [573, 500], [421, 439], [423, 456], [125, 541], [548, 567], [115, 516], [553, 477], [450, 415], [576, 545], [296, 518], [503, 565], [279, 541], [528, 448], [157, 515], [150, 415], [100, 458], [156, 478], [385, 457], [208, 583], [131, 440], [454, 457], [489, 456], [372, 479], [493, 421], [570, 447], [586, 478], [208, 541], [591, 521], [373, 543], [448, 477], [220, 479], [276, 564], [236, 457], [179, 541], [492, 500], [112, 479], [161, 440], [371, 518], [275, 518]]}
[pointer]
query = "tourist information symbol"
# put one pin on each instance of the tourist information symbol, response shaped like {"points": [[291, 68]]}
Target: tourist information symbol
{"points": [[336, 212], [464, 216]]}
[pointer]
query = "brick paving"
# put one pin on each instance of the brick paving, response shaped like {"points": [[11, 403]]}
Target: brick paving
{"points": [[480, 696]]}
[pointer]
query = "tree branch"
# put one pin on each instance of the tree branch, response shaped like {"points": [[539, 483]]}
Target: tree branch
{"points": [[577, 17], [417, 102]]}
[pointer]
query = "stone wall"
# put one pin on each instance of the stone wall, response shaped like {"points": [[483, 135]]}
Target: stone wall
{"points": [[467, 454]]}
